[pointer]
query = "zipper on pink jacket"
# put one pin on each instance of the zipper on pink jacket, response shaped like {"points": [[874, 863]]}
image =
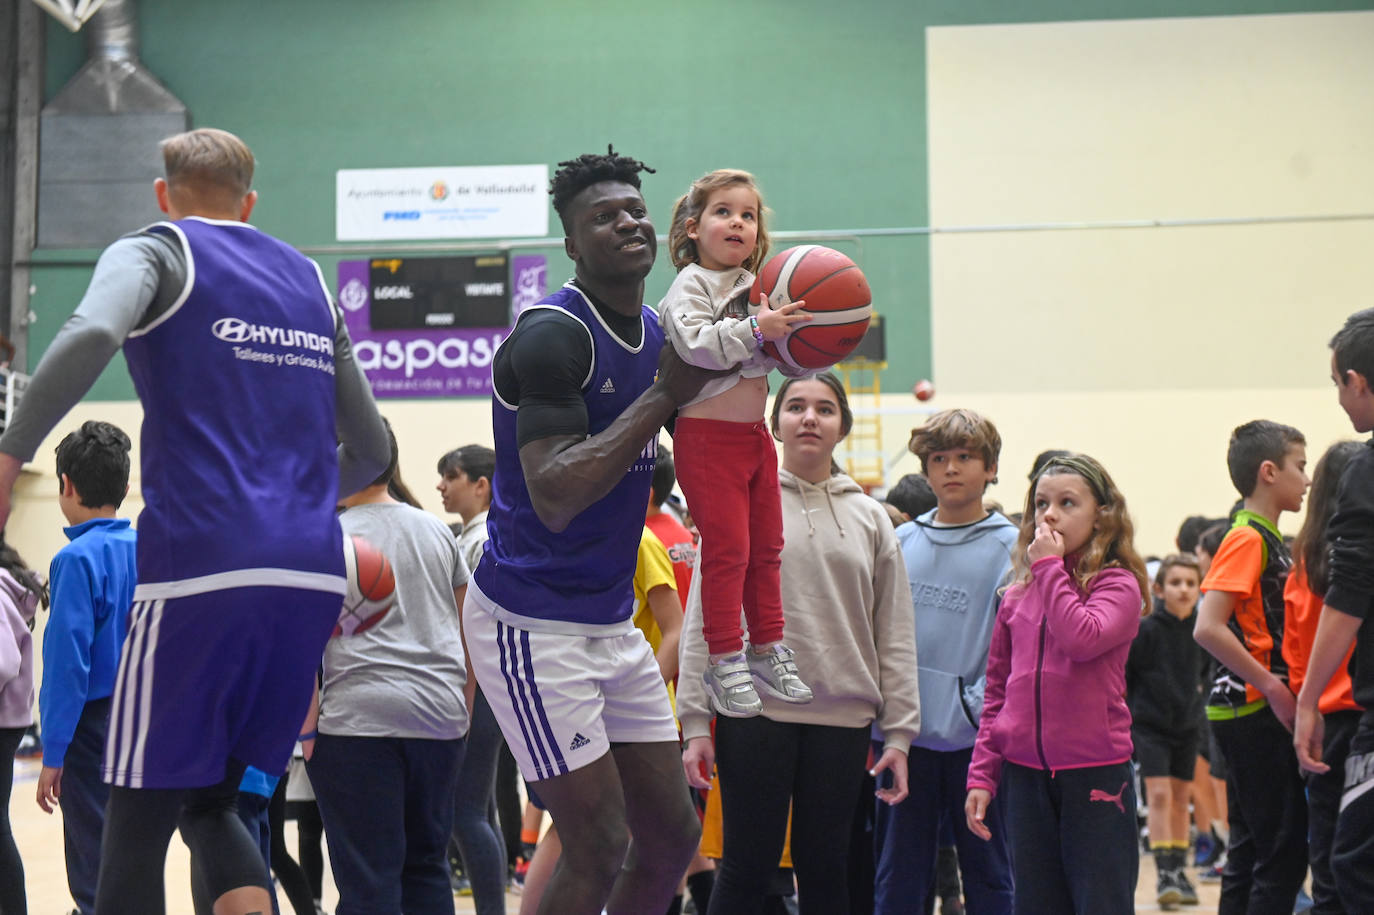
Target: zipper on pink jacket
{"points": [[1039, 711]]}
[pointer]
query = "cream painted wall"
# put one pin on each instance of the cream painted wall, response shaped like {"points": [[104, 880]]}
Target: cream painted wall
{"points": [[1196, 117], [1256, 116], [1145, 347]]}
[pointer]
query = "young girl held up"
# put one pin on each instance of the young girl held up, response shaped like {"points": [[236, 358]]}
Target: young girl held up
{"points": [[1056, 733], [726, 461]]}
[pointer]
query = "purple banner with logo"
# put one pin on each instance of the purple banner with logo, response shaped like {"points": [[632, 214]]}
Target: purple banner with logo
{"points": [[441, 361]]}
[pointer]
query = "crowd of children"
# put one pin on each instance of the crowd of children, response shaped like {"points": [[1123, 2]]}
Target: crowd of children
{"points": [[988, 684]]}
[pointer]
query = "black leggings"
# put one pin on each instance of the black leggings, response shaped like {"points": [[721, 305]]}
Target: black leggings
{"points": [[12, 898], [293, 881], [139, 823], [764, 765], [309, 850]]}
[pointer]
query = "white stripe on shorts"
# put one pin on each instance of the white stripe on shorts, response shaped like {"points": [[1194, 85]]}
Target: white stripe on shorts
{"points": [[117, 728], [127, 744], [517, 666]]}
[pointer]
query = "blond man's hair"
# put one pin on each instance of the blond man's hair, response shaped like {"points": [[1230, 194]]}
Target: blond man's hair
{"points": [[951, 429], [208, 160], [682, 248]]}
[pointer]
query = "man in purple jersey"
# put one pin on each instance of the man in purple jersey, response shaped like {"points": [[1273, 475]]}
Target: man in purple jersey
{"points": [[247, 381], [581, 388]]}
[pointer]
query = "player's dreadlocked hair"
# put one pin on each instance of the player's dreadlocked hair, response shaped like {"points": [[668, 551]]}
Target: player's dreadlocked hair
{"points": [[575, 175]]}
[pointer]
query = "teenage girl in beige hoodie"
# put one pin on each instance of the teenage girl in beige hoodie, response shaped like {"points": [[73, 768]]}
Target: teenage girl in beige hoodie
{"points": [[848, 618]]}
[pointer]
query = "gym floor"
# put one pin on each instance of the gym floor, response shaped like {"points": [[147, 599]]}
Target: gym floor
{"points": [[40, 843]]}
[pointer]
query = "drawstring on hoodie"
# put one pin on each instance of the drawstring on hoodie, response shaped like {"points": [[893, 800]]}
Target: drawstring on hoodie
{"points": [[830, 503]]}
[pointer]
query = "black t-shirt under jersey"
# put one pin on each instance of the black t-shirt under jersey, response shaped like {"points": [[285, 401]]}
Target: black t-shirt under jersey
{"points": [[543, 365]]}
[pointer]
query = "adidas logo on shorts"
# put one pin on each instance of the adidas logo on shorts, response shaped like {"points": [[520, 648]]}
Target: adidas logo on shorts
{"points": [[608, 387], [578, 741]]}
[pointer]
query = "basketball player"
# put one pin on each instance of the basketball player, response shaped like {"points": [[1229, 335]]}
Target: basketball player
{"points": [[574, 685], [247, 381]]}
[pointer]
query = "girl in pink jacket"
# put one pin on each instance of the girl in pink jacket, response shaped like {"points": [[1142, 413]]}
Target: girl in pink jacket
{"points": [[1055, 732]]}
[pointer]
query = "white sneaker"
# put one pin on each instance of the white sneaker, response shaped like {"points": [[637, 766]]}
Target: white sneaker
{"points": [[777, 672], [731, 687]]}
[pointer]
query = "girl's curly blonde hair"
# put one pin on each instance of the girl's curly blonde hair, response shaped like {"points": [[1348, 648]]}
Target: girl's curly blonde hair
{"points": [[683, 249]]}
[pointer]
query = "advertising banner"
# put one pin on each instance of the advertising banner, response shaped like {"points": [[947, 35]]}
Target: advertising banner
{"points": [[486, 201]]}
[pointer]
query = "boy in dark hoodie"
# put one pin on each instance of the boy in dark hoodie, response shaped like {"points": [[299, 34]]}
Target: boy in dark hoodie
{"points": [[1163, 690], [956, 555]]}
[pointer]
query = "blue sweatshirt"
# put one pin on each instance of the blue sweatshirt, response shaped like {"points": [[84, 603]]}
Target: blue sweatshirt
{"points": [[92, 581], [954, 574]]}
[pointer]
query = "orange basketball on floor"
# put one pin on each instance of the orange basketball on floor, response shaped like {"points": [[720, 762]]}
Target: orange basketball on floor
{"points": [[837, 298]]}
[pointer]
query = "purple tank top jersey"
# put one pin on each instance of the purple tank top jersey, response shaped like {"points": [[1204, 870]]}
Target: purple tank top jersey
{"points": [[585, 573], [239, 469]]}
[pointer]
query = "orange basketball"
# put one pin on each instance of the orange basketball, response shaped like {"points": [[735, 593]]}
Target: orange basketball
{"points": [[837, 298], [371, 587]]}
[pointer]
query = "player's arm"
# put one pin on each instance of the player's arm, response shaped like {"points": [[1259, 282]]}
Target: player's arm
{"points": [[67, 641], [1348, 599], [364, 450], [894, 637], [123, 286], [667, 611], [660, 591], [1336, 632], [1212, 633], [985, 767], [460, 594], [1086, 627], [689, 322], [566, 470], [459, 580], [693, 708], [310, 726], [1296, 608]]}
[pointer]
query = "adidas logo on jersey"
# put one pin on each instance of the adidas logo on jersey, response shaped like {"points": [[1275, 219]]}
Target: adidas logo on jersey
{"points": [[608, 387], [578, 741]]}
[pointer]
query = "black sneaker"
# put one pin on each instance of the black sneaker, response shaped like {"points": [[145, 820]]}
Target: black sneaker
{"points": [[1167, 892], [1185, 887]]}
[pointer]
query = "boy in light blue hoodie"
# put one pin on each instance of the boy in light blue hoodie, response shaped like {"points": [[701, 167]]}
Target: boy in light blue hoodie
{"points": [[956, 556]]}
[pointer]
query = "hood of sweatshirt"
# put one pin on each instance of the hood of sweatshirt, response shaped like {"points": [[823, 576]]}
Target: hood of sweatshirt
{"points": [[960, 534], [1163, 617], [24, 599], [819, 496]]}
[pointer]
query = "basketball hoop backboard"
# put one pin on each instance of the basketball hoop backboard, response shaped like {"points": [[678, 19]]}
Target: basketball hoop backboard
{"points": [[71, 13]]}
